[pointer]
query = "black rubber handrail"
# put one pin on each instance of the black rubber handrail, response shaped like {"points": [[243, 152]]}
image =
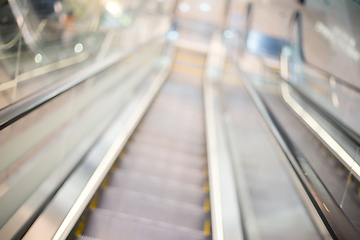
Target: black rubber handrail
{"points": [[21, 108]]}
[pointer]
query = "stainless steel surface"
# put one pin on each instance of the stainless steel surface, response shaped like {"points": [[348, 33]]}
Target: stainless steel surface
{"points": [[226, 215], [265, 157]]}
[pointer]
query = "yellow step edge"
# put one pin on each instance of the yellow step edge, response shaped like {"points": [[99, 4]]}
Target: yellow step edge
{"points": [[122, 154], [323, 149], [190, 58], [189, 70], [190, 51], [81, 226], [205, 172], [94, 202], [207, 227], [106, 182], [114, 166], [206, 206], [206, 187]]}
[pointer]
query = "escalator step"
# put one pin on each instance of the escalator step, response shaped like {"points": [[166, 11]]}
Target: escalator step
{"points": [[181, 175], [173, 121], [166, 170], [178, 106], [172, 144], [176, 114], [153, 208], [188, 119], [174, 132], [104, 224], [165, 155], [157, 187]]}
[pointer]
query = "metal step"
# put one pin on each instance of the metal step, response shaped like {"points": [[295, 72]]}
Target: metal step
{"points": [[172, 131], [175, 113], [153, 208], [182, 90], [161, 171], [146, 166], [154, 186], [87, 238], [165, 155], [169, 122], [103, 224], [155, 140]]}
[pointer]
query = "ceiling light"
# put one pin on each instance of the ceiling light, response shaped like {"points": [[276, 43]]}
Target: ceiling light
{"points": [[184, 7], [114, 8], [38, 58], [204, 7], [228, 34], [78, 48]]}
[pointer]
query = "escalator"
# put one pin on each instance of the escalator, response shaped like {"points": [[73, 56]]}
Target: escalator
{"points": [[158, 188], [320, 171], [313, 133], [158, 182]]}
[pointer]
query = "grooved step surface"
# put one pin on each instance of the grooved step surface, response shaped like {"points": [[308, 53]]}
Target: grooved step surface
{"points": [[167, 171], [165, 154], [108, 225], [157, 187], [169, 143], [154, 208], [157, 191]]}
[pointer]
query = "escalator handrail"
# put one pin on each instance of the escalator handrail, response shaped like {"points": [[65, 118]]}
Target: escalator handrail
{"points": [[21, 108], [296, 19]]}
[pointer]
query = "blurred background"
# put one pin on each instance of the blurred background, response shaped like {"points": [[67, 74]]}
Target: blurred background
{"points": [[172, 119]]}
